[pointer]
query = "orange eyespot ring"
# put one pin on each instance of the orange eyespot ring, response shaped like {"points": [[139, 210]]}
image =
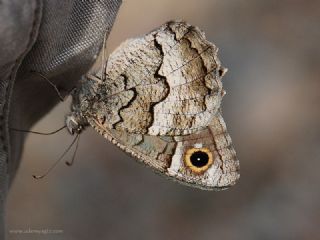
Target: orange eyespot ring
{"points": [[198, 160]]}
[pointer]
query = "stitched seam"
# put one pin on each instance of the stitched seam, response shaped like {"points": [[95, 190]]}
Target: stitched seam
{"points": [[11, 78]]}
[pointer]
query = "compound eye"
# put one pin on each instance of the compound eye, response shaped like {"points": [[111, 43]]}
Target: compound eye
{"points": [[198, 160]]}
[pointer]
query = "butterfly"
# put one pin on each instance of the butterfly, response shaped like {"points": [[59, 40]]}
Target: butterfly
{"points": [[158, 98]]}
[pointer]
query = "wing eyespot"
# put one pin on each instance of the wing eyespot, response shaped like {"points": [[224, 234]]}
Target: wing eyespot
{"points": [[198, 160]]}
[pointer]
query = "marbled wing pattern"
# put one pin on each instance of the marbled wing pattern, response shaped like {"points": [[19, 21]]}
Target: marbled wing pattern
{"points": [[159, 99]]}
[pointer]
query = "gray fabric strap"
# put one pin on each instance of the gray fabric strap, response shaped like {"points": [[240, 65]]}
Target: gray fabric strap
{"points": [[18, 29], [61, 40]]}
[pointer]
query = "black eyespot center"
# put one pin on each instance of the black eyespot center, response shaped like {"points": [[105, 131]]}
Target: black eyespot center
{"points": [[199, 159]]}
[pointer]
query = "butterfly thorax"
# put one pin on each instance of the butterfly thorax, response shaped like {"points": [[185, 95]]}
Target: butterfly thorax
{"points": [[83, 97]]}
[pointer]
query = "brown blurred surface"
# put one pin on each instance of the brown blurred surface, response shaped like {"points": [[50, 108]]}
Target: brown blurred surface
{"points": [[272, 112]]}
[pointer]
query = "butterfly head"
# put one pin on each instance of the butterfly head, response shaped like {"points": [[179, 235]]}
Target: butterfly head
{"points": [[75, 124]]}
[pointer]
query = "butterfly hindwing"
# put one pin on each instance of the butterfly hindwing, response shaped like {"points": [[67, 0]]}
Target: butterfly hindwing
{"points": [[171, 155]]}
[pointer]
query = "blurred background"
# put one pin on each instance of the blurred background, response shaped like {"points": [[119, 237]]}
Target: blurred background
{"points": [[272, 112]]}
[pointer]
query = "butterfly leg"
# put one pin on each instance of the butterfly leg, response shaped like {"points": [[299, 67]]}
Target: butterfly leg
{"points": [[52, 84]]}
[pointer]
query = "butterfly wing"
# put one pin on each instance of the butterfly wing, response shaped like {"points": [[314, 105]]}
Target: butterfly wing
{"points": [[160, 101], [172, 156], [160, 83]]}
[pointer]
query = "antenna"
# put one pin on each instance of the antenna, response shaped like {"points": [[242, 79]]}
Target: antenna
{"points": [[59, 159], [104, 61], [36, 132]]}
